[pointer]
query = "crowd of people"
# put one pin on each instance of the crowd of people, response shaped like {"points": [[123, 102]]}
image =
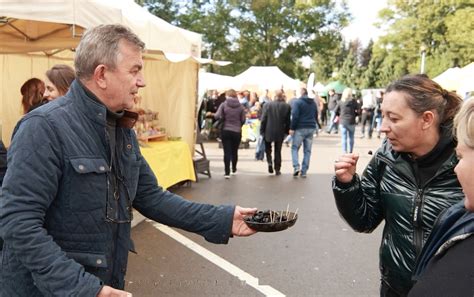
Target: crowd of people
{"points": [[65, 229], [295, 121], [416, 183], [278, 121]]}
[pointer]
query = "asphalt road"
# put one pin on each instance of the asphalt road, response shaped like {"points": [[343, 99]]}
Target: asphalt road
{"points": [[319, 256]]}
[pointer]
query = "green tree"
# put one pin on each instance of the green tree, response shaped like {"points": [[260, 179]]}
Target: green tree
{"points": [[258, 32], [366, 54], [165, 10], [328, 60], [445, 27], [281, 32], [349, 74]]}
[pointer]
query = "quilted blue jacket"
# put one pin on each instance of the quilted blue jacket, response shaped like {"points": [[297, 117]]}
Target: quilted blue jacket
{"points": [[55, 207]]}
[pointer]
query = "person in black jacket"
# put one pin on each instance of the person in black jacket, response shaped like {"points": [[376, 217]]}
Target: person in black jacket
{"points": [[274, 126], [333, 101], [446, 266], [348, 109], [409, 181]]}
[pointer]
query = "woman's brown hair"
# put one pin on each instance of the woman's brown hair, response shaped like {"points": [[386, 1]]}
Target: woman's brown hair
{"points": [[32, 93], [61, 76], [425, 94], [231, 93]]}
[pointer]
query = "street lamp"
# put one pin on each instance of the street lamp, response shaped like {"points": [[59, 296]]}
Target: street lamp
{"points": [[423, 56]]}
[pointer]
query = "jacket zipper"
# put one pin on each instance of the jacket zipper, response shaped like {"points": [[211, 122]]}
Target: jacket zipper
{"points": [[417, 224], [417, 215], [417, 220]]}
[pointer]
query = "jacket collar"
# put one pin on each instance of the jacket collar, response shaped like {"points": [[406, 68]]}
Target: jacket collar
{"points": [[95, 110]]}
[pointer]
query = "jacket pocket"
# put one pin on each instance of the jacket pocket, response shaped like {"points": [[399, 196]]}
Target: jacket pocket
{"points": [[88, 189], [93, 263], [89, 259]]}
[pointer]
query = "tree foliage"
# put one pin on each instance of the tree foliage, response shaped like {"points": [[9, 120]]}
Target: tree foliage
{"points": [[444, 27], [258, 32], [272, 32]]}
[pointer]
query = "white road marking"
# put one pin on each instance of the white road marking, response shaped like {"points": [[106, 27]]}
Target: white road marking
{"points": [[222, 263]]}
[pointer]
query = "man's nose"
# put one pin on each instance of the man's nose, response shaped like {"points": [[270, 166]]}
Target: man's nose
{"points": [[141, 81]]}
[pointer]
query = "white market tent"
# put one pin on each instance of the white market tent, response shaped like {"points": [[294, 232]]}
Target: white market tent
{"points": [[36, 34], [466, 81], [213, 81], [449, 79], [457, 79], [260, 78]]}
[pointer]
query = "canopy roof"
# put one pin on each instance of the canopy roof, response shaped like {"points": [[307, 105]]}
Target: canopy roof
{"points": [[336, 85], [213, 81], [457, 79], [449, 79], [40, 25], [466, 82], [258, 78]]}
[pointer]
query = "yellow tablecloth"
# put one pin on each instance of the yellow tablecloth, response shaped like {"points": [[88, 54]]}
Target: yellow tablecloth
{"points": [[171, 161]]}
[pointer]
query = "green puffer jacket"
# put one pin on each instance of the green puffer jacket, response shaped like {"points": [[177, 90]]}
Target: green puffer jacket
{"points": [[388, 191]]}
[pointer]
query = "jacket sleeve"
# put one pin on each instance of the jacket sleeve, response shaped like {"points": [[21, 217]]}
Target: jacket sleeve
{"points": [[288, 120], [219, 113], [35, 160], [294, 115], [263, 123], [214, 223], [359, 202]]}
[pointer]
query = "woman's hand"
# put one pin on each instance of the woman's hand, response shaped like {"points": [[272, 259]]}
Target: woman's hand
{"points": [[345, 167], [239, 228]]}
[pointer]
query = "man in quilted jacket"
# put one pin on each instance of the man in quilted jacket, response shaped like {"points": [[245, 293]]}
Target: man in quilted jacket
{"points": [[75, 173]]}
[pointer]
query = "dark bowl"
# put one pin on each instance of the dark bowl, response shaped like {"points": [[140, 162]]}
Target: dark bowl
{"points": [[272, 227]]}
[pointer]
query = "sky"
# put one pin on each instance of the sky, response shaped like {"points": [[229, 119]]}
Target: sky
{"points": [[364, 13]]}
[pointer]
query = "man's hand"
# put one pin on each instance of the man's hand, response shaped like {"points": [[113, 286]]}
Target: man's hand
{"points": [[107, 291], [345, 167], [239, 228], [292, 132]]}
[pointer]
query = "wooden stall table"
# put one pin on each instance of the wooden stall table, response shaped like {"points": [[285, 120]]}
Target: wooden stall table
{"points": [[171, 161]]}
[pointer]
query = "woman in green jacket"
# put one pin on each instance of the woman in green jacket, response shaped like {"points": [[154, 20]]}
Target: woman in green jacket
{"points": [[410, 179]]}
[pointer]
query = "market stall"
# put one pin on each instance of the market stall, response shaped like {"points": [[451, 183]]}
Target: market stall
{"points": [[170, 161], [35, 35]]}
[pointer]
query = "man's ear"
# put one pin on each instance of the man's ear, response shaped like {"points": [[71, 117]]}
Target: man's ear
{"points": [[99, 76], [428, 118]]}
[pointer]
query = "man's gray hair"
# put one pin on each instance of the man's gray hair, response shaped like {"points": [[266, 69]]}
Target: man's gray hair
{"points": [[100, 45]]}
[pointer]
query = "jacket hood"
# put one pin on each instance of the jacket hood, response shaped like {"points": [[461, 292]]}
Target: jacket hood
{"points": [[307, 99], [232, 102]]}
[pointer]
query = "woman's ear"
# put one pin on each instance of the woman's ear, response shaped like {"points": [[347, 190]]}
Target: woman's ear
{"points": [[428, 118], [99, 76]]}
